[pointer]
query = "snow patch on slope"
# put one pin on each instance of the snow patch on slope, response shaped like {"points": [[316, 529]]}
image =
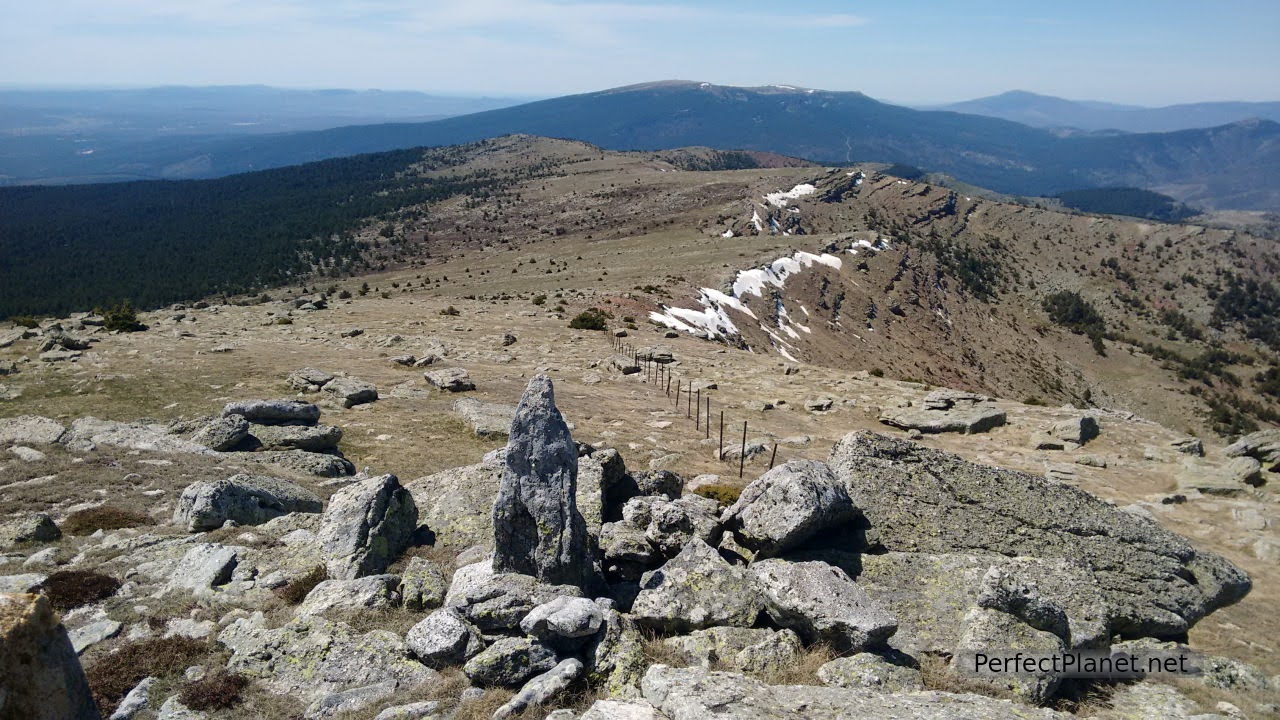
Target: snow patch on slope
{"points": [[783, 199]]}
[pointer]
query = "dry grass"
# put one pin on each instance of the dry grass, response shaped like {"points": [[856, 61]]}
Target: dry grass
{"points": [[296, 590], [112, 676], [1248, 700], [397, 620], [483, 707], [936, 674], [103, 517], [217, 690], [70, 589], [722, 493], [804, 671]]}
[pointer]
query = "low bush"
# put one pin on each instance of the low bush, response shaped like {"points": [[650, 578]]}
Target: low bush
{"points": [[724, 494], [591, 319], [216, 691], [103, 517], [296, 590], [70, 589], [122, 318], [112, 676]]}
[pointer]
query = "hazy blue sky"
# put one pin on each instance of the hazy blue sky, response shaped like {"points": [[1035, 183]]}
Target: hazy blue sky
{"points": [[1139, 51]]}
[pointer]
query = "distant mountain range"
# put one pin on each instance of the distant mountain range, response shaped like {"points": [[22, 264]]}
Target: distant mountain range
{"points": [[1046, 111], [53, 135], [1231, 166]]}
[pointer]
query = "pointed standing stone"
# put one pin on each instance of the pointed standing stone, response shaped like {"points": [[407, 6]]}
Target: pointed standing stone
{"points": [[537, 528]]}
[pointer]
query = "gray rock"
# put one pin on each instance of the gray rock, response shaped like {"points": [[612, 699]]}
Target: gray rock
{"points": [[309, 380], [564, 618], [425, 710], [444, 638], [658, 482], [454, 379], [28, 528], [626, 550], [311, 657], [822, 604], [486, 419], [985, 629], [1263, 446], [537, 528], [1072, 433], [625, 364], [466, 579], [947, 411], [173, 709], [669, 525], [788, 505], [350, 701], [243, 499], [457, 504], [541, 689], [222, 433], [372, 592], [89, 432], [25, 583], [27, 454], [205, 567], [1189, 446], [932, 594], [30, 430], [52, 356], [697, 694], [309, 463], [349, 391], [614, 710], [316, 438], [758, 650], [274, 412], [86, 636], [602, 488], [136, 701], [1154, 582], [868, 670], [509, 662], [501, 601], [1003, 590], [366, 526], [615, 658], [39, 671], [694, 590], [422, 585]]}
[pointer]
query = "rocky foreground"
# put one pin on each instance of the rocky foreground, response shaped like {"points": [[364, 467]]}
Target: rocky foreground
{"points": [[570, 582]]}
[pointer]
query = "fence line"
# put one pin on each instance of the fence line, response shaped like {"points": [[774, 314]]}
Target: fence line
{"points": [[651, 372]]}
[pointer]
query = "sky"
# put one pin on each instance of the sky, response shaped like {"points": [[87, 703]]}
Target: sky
{"points": [[1141, 52]]}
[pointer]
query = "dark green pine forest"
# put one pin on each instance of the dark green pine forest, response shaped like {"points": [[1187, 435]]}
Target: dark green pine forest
{"points": [[65, 249]]}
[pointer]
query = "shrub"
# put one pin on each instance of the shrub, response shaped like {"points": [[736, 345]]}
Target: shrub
{"points": [[877, 372], [26, 321], [296, 590], [591, 319], [539, 299], [344, 295], [216, 691], [284, 321], [1068, 309], [722, 493], [70, 589], [122, 318], [103, 517], [112, 676], [451, 311]]}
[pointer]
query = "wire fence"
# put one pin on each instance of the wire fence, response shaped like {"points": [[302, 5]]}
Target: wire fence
{"points": [[655, 371]]}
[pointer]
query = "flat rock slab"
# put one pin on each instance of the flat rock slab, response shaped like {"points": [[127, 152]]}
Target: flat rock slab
{"points": [[316, 438], [454, 379], [90, 431], [30, 430], [961, 419], [274, 412], [486, 419], [916, 499]]}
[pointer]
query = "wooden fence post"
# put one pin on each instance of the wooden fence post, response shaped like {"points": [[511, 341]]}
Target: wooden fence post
{"points": [[774, 456], [742, 459]]}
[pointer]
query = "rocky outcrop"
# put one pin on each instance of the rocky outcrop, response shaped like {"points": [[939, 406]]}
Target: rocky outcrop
{"points": [[242, 499], [311, 438], [759, 650], [309, 379], [822, 604], [366, 526], [697, 589], [457, 504], [349, 391], [30, 430], [697, 693], [40, 675], [454, 379], [486, 419], [1153, 581], [444, 638], [274, 412], [309, 463], [222, 433], [509, 662], [788, 505], [28, 528], [947, 411], [537, 528], [1263, 446], [311, 657], [367, 593], [89, 432]]}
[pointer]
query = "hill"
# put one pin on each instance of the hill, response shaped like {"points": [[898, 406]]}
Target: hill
{"points": [[1046, 111]]}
